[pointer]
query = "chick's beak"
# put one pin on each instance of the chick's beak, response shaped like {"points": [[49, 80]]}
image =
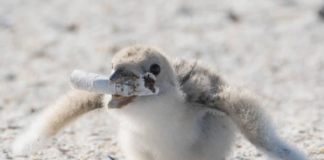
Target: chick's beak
{"points": [[121, 76]]}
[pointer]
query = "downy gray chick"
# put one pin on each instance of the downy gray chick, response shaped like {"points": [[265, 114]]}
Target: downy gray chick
{"points": [[193, 117]]}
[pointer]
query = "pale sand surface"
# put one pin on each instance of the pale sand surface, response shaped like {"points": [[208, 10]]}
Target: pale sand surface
{"points": [[273, 47]]}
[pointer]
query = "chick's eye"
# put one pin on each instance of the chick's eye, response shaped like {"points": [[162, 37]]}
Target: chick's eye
{"points": [[155, 69]]}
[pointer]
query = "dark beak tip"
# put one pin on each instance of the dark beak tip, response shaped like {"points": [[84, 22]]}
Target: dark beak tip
{"points": [[117, 74]]}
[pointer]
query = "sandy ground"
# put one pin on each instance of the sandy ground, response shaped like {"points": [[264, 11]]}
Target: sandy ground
{"points": [[273, 47]]}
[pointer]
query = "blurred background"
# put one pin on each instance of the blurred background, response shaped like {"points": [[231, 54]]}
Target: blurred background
{"points": [[273, 47]]}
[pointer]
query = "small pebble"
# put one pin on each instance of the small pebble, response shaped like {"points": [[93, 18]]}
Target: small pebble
{"points": [[321, 151], [111, 158], [258, 155], [10, 77], [233, 16], [185, 10], [321, 13], [72, 28]]}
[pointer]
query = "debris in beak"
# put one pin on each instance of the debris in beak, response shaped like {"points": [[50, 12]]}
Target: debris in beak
{"points": [[123, 85], [141, 86], [149, 80], [122, 76]]}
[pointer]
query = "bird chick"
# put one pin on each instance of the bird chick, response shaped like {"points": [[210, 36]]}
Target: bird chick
{"points": [[194, 116]]}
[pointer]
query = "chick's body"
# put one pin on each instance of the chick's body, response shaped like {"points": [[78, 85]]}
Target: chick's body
{"points": [[174, 125], [171, 128], [193, 117]]}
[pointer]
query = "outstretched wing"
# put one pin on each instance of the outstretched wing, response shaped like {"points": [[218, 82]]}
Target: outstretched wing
{"points": [[206, 87]]}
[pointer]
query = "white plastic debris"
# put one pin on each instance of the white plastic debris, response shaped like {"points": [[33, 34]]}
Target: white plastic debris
{"points": [[100, 84]]}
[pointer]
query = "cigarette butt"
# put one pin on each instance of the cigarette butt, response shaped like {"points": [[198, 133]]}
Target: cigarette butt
{"points": [[100, 84], [91, 82]]}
